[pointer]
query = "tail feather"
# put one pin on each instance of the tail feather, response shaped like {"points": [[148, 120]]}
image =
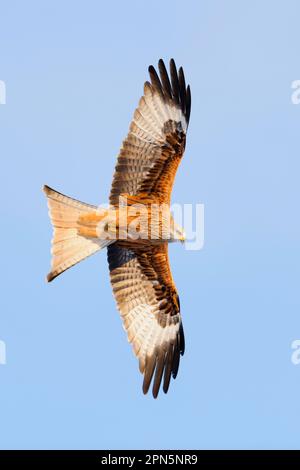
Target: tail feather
{"points": [[69, 247]]}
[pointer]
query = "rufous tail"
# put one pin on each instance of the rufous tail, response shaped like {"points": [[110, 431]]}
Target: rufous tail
{"points": [[71, 243]]}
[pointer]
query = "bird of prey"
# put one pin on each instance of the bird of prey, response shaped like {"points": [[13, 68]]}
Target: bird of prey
{"points": [[140, 273]]}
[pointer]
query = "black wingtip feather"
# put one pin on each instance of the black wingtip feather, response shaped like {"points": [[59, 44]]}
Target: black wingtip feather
{"points": [[155, 79], [160, 365], [188, 103], [149, 371], [174, 81], [182, 90], [176, 361], [168, 369], [165, 79], [163, 364], [172, 86], [181, 340]]}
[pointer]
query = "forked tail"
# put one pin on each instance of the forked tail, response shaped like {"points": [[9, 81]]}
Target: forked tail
{"points": [[69, 245]]}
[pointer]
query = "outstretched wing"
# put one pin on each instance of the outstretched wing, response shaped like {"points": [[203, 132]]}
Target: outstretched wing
{"points": [[153, 148], [149, 305]]}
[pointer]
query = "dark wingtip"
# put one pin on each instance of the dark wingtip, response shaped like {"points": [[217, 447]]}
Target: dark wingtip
{"points": [[172, 62], [46, 189], [146, 385], [155, 80], [181, 340], [188, 103], [49, 277], [164, 77], [172, 85], [161, 367]]}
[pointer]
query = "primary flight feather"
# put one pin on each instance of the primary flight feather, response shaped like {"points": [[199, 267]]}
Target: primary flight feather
{"points": [[140, 274]]}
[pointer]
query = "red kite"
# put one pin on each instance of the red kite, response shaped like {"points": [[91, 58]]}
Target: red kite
{"points": [[140, 274]]}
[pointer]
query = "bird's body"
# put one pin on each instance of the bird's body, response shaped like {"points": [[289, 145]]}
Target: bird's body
{"points": [[137, 227]]}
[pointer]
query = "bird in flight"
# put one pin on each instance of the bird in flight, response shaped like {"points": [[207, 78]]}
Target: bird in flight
{"points": [[137, 226]]}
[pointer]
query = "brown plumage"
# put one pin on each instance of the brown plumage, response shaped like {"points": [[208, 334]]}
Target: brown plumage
{"points": [[152, 151], [149, 305], [140, 274]]}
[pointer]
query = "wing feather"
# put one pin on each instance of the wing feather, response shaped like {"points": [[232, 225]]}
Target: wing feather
{"points": [[165, 79], [140, 274], [156, 140], [149, 305]]}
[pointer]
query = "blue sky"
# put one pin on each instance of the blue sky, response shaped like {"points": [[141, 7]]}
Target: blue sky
{"points": [[74, 73]]}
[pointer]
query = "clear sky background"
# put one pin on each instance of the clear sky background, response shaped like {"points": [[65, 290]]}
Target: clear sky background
{"points": [[74, 72]]}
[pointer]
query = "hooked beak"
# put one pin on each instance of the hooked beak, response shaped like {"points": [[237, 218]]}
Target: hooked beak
{"points": [[182, 237]]}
